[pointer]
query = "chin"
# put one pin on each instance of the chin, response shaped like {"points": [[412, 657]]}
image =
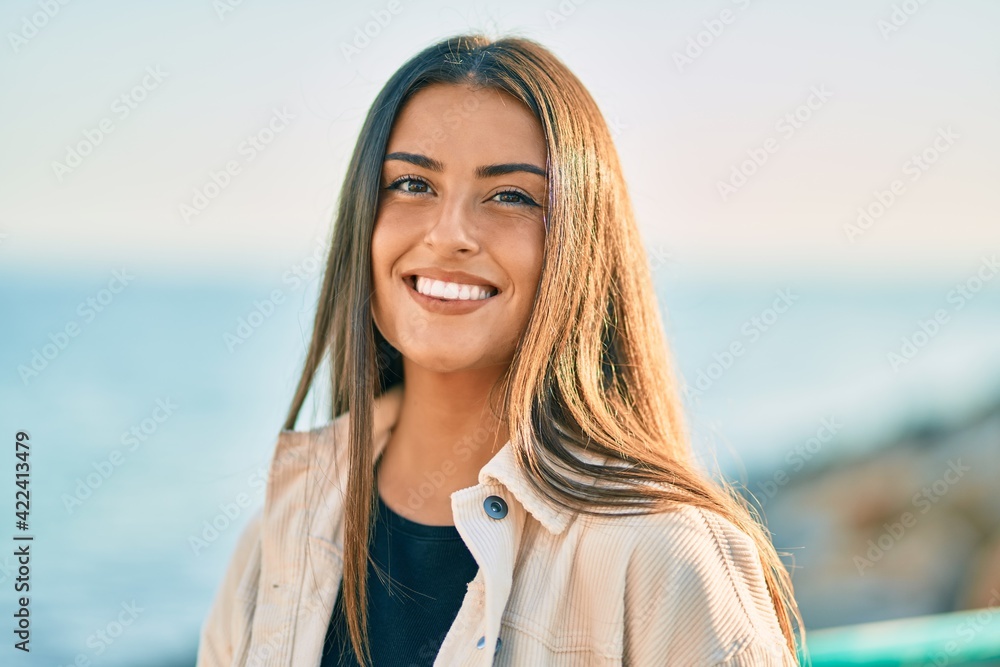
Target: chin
{"points": [[443, 359], [443, 362]]}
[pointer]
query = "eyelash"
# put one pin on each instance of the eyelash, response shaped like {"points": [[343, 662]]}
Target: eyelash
{"points": [[525, 199]]}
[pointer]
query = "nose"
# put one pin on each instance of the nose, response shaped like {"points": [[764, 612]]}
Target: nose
{"points": [[451, 229]]}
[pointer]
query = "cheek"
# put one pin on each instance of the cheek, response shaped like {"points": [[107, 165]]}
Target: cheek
{"points": [[392, 235], [533, 254], [526, 265], [383, 255]]}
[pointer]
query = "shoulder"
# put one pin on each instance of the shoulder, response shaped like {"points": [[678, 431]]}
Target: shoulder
{"points": [[682, 546], [694, 587], [326, 444], [691, 548], [294, 450]]}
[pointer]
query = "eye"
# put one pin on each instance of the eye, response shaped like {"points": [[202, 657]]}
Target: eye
{"points": [[410, 184], [514, 198]]}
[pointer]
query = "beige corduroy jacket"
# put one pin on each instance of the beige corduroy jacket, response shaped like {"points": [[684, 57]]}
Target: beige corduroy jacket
{"points": [[681, 588]]}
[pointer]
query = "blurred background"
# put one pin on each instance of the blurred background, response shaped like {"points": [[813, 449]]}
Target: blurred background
{"points": [[816, 184]]}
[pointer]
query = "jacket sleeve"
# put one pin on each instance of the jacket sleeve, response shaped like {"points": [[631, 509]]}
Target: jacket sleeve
{"points": [[695, 595], [217, 637]]}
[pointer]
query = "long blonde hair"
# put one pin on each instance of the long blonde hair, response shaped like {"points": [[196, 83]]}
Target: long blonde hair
{"points": [[592, 368]]}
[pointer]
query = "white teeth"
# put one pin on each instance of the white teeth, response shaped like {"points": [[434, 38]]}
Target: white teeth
{"points": [[452, 291]]}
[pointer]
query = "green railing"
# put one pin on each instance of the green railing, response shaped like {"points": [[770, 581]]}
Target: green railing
{"points": [[961, 638]]}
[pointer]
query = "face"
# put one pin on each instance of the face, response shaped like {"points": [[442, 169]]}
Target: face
{"points": [[459, 234]]}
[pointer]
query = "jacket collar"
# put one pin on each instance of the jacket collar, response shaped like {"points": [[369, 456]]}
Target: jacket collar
{"points": [[502, 468]]}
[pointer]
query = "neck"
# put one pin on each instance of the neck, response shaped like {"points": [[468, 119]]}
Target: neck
{"points": [[449, 417], [445, 433]]}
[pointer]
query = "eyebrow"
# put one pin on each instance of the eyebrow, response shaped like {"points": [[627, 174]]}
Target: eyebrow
{"points": [[487, 171]]}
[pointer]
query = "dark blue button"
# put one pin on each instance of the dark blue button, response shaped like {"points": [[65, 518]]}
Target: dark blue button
{"points": [[496, 507]]}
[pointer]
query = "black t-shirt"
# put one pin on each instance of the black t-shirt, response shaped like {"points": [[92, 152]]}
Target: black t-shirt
{"points": [[429, 569]]}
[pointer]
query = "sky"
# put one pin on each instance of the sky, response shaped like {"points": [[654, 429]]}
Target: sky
{"points": [[754, 134]]}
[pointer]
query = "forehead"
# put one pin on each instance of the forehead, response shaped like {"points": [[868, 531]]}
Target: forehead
{"points": [[457, 120]]}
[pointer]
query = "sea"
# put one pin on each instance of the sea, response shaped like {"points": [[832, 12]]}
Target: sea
{"points": [[150, 404]]}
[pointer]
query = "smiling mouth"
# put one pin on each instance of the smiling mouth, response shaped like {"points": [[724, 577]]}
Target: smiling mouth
{"points": [[447, 291]]}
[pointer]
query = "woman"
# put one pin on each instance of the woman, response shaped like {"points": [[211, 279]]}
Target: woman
{"points": [[515, 486]]}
